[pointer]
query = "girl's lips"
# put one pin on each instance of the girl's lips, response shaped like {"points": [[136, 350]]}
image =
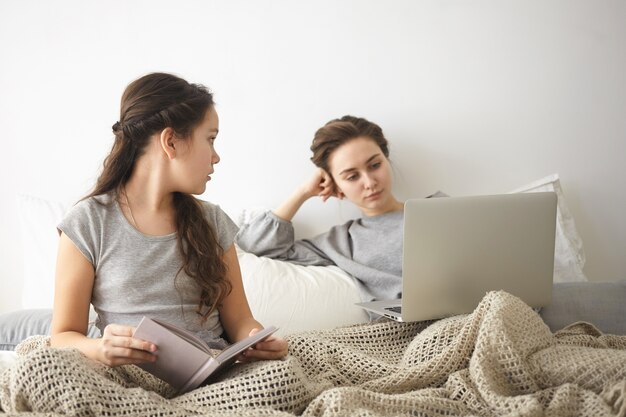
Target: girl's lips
{"points": [[373, 196]]}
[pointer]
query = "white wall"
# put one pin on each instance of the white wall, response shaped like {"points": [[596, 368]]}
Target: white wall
{"points": [[475, 96]]}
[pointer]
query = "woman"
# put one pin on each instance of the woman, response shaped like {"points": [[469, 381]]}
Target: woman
{"points": [[351, 154], [141, 244]]}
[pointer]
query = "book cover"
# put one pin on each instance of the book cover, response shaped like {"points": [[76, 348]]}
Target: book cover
{"points": [[184, 360]]}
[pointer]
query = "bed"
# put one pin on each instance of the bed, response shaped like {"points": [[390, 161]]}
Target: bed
{"points": [[503, 359]]}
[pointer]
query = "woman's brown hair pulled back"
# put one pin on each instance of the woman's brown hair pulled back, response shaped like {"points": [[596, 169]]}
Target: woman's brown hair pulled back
{"points": [[339, 131]]}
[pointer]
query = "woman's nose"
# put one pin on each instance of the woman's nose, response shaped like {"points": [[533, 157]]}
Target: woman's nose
{"points": [[369, 181]]}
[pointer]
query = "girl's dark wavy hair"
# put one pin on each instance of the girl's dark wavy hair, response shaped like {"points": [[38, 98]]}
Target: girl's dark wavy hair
{"points": [[149, 105]]}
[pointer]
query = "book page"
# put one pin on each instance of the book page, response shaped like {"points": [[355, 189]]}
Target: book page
{"points": [[183, 359], [178, 359], [185, 334]]}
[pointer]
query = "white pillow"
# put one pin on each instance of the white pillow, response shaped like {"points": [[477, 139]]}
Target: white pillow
{"points": [[298, 298], [569, 256], [38, 219]]}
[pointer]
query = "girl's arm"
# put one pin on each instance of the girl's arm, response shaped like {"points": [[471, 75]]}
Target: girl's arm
{"points": [[72, 296], [320, 184], [237, 319]]}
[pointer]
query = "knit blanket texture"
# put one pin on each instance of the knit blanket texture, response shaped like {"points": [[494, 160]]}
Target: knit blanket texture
{"points": [[500, 360]]}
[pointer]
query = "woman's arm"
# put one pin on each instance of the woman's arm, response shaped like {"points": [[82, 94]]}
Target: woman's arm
{"points": [[237, 319], [320, 184], [72, 296]]}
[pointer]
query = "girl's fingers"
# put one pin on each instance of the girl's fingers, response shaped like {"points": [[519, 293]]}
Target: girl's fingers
{"points": [[120, 355], [118, 347], [118, 330], [273, 347], [273, 344], [256, 354], [124, 342], [134, 344], [122, 336]]}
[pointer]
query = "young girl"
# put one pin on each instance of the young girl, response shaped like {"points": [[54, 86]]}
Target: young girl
{"points": [[141, 244], [351, 154]]}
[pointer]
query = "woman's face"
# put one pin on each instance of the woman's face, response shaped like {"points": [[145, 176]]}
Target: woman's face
{"points": [[363, 174]]}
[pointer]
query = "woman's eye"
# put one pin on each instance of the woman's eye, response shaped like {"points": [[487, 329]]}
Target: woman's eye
{"points": [[351, 178], [376, 165]]}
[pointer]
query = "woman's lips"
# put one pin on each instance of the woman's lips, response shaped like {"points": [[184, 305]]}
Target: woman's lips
{"points": [[373, 196]]}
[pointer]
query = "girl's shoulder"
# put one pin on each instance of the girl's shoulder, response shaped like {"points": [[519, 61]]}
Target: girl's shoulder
{"points": [[92, 207], [210, 209], [95, 203], [222, 224], [214, 212]]}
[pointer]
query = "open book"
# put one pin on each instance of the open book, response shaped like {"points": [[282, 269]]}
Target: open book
{"points": [[184, 360]]}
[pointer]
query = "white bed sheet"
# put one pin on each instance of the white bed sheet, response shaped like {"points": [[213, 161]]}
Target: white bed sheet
{"points": [[7, 358]]}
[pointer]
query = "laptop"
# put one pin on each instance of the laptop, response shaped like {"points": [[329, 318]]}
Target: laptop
{"points": [[456, 249]]}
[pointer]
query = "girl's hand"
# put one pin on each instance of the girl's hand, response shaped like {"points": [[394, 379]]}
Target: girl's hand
{"points": [[118, 347], [321, 184], [274, 347]]}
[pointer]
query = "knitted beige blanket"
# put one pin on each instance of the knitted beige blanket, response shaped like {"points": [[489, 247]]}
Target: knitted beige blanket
{"points": [[500, 360]]}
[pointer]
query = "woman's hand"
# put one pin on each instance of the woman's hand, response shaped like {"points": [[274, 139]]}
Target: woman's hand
{"points": [[321, 184], [118, 347], [273, 347]]}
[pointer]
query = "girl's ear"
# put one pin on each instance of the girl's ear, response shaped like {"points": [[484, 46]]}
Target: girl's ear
{"points": [[167, 139]]}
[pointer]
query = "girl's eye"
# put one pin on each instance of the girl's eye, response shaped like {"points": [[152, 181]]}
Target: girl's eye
{"points": [[351, 178], [376, 165]]}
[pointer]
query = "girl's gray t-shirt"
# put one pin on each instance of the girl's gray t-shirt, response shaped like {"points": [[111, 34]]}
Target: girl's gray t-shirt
{"points": [[138, 275]]}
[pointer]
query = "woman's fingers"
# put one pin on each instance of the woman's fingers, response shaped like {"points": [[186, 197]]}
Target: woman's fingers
{"points": [[327, 186]]}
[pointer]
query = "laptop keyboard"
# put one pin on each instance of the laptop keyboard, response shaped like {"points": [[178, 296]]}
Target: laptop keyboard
{"points": [[396, 309]]}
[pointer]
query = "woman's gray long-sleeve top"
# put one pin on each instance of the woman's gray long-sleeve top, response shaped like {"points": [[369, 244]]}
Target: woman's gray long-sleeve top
{"points": [[368, 248]]}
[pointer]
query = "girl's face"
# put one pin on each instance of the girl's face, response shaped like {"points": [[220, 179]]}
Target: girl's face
{"points": [[363, 174], [198, 155]]}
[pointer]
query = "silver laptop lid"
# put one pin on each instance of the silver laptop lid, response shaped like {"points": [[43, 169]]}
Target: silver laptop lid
{"points": [[458, 248]]}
